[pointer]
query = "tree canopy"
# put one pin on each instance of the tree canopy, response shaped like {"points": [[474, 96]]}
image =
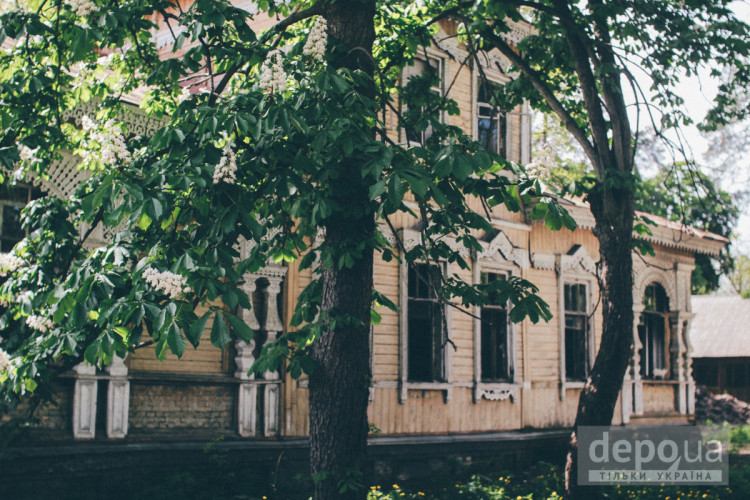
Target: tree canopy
{"points": [[276, 137]]}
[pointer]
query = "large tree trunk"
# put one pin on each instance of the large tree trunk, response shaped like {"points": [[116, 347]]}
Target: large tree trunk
{"points": [[339, 384], [613, 211]]}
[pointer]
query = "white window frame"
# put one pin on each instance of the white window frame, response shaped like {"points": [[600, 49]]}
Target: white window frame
{"points": [[494, 77], [410, 239], [502, 257], [406, 74], [575, 268]]}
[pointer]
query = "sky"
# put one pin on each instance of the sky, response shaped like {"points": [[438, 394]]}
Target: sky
{"points": [[698, 93]]}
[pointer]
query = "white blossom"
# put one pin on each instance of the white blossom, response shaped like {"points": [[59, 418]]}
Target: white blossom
{"points": [[272, 75], [40, 323], [226, 170], [185, 94], [110, 138], [317, 40], [543, 162], [4, 361], [165, 281], [27, 153], [9, 263], [83, 8]]}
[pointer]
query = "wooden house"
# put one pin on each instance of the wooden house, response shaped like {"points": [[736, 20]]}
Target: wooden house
{"points": [[500, 376], [720, 336]]}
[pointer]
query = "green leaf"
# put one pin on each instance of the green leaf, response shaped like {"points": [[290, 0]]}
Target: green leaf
{"points": [[240, 328], [195, 332], [176, 340], [375, 318], [539, 211], [220, 332]]}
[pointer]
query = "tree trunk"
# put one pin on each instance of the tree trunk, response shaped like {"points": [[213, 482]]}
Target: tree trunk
{"points": [[339, 385], [613, 211]]}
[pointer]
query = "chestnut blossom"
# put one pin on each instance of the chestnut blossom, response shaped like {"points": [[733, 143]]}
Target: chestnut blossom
{"points": [[82, 8], [40, 323], [9, 263], [185, 94], [272, 75], [112, 142], [543, 162], [4, 361], [315, 46], [27, 154], [165, 281], [226, 170]]}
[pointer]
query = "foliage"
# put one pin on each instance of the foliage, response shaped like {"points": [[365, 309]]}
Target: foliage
{"points": [[687, 196], [681, 193], [740, 276], [249, 146]]}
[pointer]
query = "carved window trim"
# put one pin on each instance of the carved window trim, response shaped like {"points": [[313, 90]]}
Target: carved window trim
{"points": [[575, 267], [410, 239], [501, 390]]}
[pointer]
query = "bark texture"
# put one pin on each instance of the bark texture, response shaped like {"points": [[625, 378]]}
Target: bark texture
{"points": [[613, 212], [339, 385]]}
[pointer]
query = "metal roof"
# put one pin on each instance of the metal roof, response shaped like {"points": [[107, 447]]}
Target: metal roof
{"points": [[721, 326]]}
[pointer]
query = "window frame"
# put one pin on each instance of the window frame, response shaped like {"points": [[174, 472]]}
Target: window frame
{"points": [[411, 239], [586, 329], [502, 119], [439, 57], [575, 267], [30, 195], [498, 256], [494, 77], [647, 349]]}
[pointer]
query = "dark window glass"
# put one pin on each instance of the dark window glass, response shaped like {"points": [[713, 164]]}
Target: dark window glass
{"points": [[490, 120], [425, 361], [12, 201], [576, 331], [652, 332], [421, 67], [495, 345]]}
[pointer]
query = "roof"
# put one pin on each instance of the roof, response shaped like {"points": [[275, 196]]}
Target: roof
{"points": [[721, 326], [669, 233]]}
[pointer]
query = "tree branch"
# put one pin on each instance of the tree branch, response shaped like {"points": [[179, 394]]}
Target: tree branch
{"points": [[549, 97]]}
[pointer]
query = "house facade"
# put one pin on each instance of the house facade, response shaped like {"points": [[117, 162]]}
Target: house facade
{"points": [[492, 376]]}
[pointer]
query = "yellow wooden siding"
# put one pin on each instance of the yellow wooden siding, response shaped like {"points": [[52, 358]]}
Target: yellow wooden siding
{"points": [[206, 359]]}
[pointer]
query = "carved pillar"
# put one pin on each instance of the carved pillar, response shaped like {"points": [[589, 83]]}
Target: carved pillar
{"points": [[247, 406], [118, 399], [84, 401], [677, 360], [271, 401], [273, 324], [635, 367], [690, 382], [247, 400]]}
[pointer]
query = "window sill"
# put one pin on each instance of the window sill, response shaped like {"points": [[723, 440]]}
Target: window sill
{"points": [[574, 384], [659, 381], [445, 387], [496, 391]]}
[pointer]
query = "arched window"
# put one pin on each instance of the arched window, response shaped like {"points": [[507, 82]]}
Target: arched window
{"points": [[653, 332]]}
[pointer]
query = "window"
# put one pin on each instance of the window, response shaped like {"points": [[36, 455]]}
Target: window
{"points": [[576, 331], [495, 345], [430, 71], [652, 332], [426, 335], [12, 201], [491, 124]]}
